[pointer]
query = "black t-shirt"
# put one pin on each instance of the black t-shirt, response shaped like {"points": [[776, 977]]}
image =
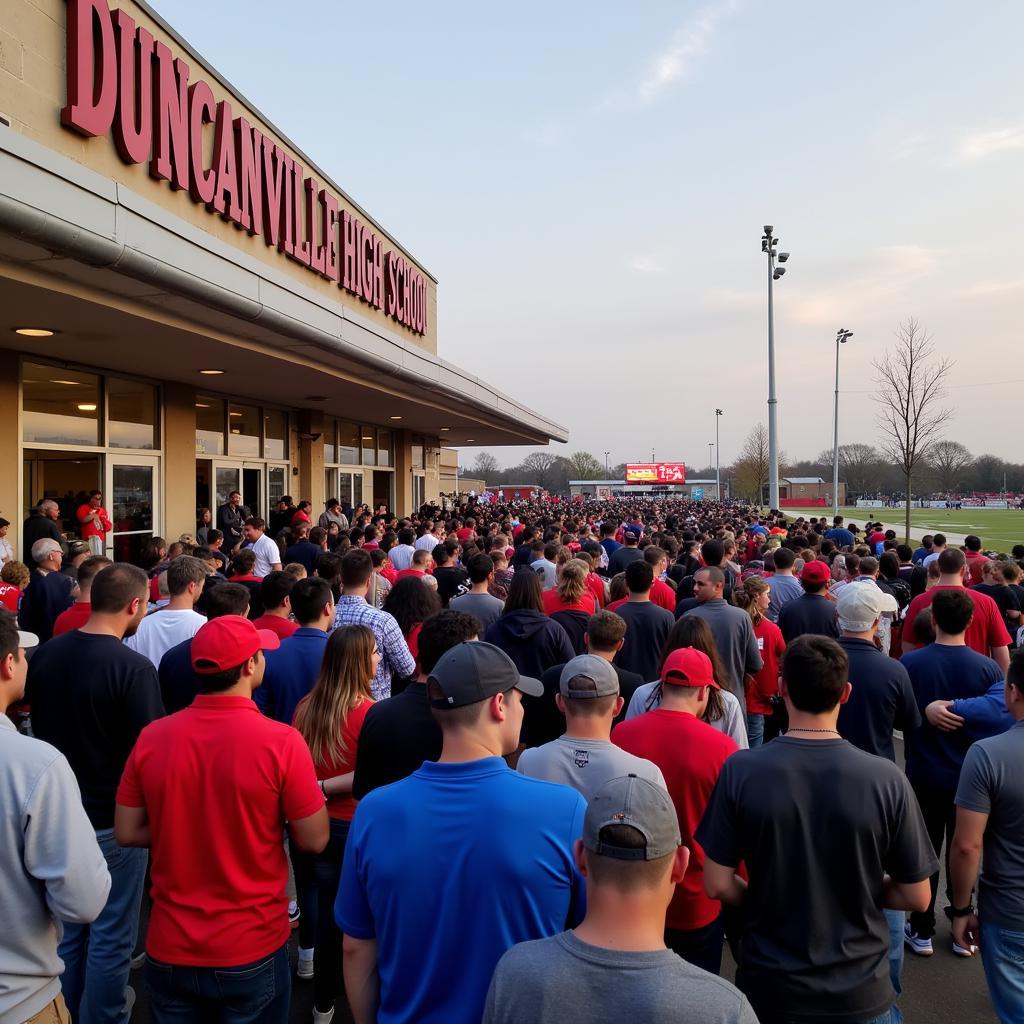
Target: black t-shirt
{"points": [[449, 579], [809, 613], [881, 699], [543, 722], [91, 697], [1005, 598], [916, 576], [818, 824], [647, 626], [397, 736]]}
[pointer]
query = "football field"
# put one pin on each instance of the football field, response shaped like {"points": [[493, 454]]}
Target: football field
{"points": [[999, 528]]}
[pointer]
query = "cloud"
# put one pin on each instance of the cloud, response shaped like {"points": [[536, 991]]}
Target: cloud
{"points": [[689, 43], [982, 145], [989, 289], [647, 265]]}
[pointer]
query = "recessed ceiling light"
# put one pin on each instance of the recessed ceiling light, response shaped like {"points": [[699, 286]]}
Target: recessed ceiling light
{"points": [[396, 417], [470, 440], [202, 405], [212, 373], [34, 332], [234, 414], [86, 406], [73, 383], [444, 430], [365, 438]]}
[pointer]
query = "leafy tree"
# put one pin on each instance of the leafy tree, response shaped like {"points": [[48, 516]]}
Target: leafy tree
{"points": [[911, 387]]}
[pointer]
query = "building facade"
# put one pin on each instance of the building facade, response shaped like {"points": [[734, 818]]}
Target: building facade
{"points": [[190, 306], [696, 490]]}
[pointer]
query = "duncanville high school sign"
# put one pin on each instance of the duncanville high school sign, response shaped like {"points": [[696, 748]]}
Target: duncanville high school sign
{"points": [[120, 81]]}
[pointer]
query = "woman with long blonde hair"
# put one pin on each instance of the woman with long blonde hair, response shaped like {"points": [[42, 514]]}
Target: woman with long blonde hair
{"points": [[329, 720], [572, 593]]}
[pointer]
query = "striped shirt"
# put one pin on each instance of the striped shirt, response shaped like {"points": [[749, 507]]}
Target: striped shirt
{"points": [[395, 657]]}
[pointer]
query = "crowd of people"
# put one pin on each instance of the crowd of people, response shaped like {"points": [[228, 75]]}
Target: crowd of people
{"points": [[515, 762]]}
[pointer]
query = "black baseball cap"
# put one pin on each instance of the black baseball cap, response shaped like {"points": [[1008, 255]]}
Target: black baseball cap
{"points": [[473, 671]]}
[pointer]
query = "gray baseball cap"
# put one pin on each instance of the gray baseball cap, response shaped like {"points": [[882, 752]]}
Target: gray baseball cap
{"points": [[604, 677], [473, 671], [632, 801]]}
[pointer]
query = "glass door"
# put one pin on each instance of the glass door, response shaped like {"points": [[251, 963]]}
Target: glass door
{"points": [[132, 491], [277, 482], [254, 492], [226, 478]]}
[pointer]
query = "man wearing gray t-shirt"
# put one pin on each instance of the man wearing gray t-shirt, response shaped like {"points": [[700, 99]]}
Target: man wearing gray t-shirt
{"points": [[614, 965], [990, 824], [484, 607], [585, 757]]}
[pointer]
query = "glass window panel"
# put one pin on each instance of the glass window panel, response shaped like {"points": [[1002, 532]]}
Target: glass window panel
{"points": [[276, 480], [131, 414], [209, 426], [344, 494], [243, 429], [60, 406], [357, 489], [275, 434], [227, 480], [385, 447], [131, 504], [369, 446], [348, 444], [330, 444], [417, 456]]}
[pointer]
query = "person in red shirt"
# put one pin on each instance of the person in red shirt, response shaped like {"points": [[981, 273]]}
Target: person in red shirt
{"points": [[690, 754], [277, 606], [93, 521], [467, 531], [754, 596], [209, 790], [301, 516], [14, 577], [595, 584], [986, 633], [330, 719], [78, 614], [421, 562], [572, 593], [976, 559], [661, 593]]}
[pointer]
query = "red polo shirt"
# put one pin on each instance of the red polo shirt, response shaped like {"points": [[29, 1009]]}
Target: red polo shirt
{"points": [[690, 754], [218, 781], [282, 627], [10, 596], [976, 562], [986, 630], [74, 617]]}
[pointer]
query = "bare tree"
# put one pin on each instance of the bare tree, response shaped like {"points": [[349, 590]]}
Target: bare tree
{"points": [[948, 460], [539, 468], [750, 470], [486, 467], [858, 466], [911, 386], [584, 466]]}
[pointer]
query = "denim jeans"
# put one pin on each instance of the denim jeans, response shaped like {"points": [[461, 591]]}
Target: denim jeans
{"points": [[1002, 956], [896, 919], [254, 993], [701, 947], [321, 874], [755, 729], [97, 956]]}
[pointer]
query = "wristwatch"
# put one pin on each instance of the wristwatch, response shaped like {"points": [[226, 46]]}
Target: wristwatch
{"points": [[962, 911]]}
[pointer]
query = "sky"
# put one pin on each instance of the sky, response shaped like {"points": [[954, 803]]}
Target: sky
{"points": [[588, 182]]}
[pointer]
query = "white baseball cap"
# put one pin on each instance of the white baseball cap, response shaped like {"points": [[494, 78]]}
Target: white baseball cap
{"points": [[860, 603]]}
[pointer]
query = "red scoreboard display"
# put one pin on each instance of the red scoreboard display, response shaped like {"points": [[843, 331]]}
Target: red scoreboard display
{"points": [[656, 473]]}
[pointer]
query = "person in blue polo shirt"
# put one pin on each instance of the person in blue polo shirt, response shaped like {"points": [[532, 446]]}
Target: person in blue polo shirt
{"points": [[458, 862], [293, 668]]}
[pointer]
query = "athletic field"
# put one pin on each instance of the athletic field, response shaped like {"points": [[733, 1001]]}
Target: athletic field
{"points": [[998, 528]]}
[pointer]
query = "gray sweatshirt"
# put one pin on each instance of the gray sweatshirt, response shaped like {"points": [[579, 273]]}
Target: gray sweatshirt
{"points": [[51, 866]]}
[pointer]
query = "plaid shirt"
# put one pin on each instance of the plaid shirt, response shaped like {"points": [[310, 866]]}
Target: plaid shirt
{"points": [[395, 657]]}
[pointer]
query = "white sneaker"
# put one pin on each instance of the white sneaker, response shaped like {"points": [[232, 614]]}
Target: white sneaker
{"points": [[922, 947], [964, 951], [323, 1018]]}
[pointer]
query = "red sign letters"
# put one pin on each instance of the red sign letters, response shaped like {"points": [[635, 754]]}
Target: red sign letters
{"points": [[121, 81], [656, 473]]}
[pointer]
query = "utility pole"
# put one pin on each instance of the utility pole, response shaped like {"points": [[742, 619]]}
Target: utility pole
{"points": [[842, 336], [718, 459], [768, 247]]}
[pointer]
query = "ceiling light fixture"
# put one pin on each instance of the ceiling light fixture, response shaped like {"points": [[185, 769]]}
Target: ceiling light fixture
{"points": [[234, 414], [470, 440], [211, 373], [86, 406], [444, 430], [202, 405], [71, 383], [34, 332], [396, 417]]}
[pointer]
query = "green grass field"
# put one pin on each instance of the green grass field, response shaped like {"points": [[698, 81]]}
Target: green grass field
{"points": [[998, 528]]}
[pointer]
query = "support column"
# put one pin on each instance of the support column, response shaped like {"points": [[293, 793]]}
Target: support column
{"points": [[10, 458], [403, 473], [179, 460], [310, 482]]}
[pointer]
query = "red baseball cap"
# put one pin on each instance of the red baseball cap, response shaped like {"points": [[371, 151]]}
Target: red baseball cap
{"points": [[227, 641], [816, 572], [688, 667]]}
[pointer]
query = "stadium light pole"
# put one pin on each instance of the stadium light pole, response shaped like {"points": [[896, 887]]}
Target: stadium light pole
{"points": [[718, 459], [711, 444], [606, 469], [842, 336], [768, 247]]}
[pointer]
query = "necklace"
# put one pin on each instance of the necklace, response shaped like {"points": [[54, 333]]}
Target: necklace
{"points": [[835, 731]]}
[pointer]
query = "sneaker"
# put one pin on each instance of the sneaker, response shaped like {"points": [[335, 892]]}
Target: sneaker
{"points": [[293, 913], [964, 951], [323, 1018], [922, 947]]}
